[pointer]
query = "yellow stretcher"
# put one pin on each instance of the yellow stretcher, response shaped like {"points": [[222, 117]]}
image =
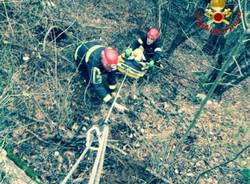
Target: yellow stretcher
{"points": [[130, 67]]}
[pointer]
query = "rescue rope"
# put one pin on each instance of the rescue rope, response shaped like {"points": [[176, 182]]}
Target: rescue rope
{"points": [[102, 140], [89, 140], [118, 92], [98, 165], [97, 168]]}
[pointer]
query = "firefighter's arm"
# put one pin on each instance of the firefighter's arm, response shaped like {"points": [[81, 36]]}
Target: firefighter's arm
{"points": [[155, 58], [111, 78], [96, 80], [128, 52], [136, 44]]}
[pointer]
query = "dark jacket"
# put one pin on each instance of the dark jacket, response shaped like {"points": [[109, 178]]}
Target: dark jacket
{"points": [[88, 59], [151, 52]]}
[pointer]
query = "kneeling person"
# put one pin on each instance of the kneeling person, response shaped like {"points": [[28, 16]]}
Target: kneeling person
{"points": [[93, 60], [150, 44]]}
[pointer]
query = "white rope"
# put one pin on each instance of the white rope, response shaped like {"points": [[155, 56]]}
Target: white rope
{"points": [[89, 141], [75, 166], [97, 168], [241, 16], [98, 165], [112, 106], [102, 140], [89, 138], [105, 140]]}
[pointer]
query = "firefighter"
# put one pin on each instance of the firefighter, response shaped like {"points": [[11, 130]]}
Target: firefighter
{"points": [[94, 60], [150, 44]]}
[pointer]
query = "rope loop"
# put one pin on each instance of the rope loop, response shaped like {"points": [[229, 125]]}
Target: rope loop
{"points": [[90, 137]]}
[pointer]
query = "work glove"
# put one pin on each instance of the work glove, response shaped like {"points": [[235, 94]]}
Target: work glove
{"points": [[151, 64], [128, 52]]}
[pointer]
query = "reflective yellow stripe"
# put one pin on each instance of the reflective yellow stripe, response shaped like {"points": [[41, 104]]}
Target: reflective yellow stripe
{"points": [[112, 87], [90, 51], [158, 49], [76, 52], [96, 76], [107, 98], [140, 41]]}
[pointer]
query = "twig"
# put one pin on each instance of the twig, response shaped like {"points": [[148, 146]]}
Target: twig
{"points": [[8, 19], [157, 175], [238, 66], [200, 49], [117, 149], [222, 84], [222, 164], [46, 35], [24, 140], [65, 180], [159, 14], [241, 16], [52, 27], [33, 119], [163, 3], [38, 137], [13, 1], [85, 93], [247, 40], [155, 106]]}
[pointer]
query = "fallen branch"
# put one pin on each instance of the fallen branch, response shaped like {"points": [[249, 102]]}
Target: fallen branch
{"points": [[16, 175], [220, 165]]}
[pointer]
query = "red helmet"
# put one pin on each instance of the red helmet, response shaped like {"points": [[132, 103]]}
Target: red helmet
{"points": [[110, 55], [153, 33]]}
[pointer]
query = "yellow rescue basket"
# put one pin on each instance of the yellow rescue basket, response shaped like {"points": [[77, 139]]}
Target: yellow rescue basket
{"points": [[130, 67]]}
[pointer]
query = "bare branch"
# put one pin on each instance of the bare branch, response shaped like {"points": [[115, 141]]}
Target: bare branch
{"points": [[238, 66], [223, 164]]}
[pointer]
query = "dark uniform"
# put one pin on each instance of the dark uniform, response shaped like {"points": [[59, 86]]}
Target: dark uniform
{"points": [[151, 52], [88, 60]]}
